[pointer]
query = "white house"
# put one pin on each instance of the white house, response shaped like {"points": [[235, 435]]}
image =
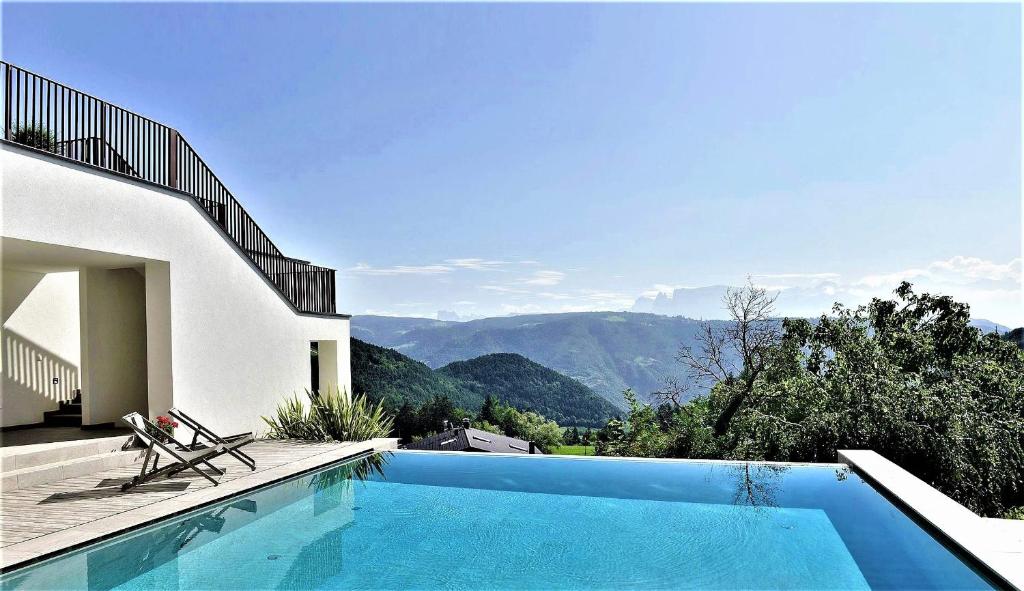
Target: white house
{"points": [[132, 274]]}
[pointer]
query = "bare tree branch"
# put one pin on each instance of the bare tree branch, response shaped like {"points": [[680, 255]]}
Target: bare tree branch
{"points": [[674, 391], [734, 352]]}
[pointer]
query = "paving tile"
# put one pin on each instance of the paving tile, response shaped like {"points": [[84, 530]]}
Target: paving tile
{"points": [[39, 476], [13, 557], [54, 541], [8, 481]]}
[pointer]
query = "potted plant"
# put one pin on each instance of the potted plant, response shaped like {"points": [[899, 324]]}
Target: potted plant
{"points": [[164, 428]]}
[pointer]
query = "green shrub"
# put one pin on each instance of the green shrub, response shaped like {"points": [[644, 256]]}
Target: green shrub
{"points": [[1015, 513], [330, 415], [291, 421], [344, 419], [35, 136]]}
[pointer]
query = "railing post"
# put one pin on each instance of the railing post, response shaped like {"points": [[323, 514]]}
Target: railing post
{"points": [[7, 102], [172, 158], [103, 135]]}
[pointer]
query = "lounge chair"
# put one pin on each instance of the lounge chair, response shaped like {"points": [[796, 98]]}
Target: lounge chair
{"points": [[185, 457], [231, 443]]}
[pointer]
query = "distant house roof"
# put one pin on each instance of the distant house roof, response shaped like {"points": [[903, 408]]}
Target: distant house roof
{"points": [[469, 439]]}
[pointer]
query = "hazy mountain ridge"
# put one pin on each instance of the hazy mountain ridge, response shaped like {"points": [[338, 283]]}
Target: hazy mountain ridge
{"points": [[988, 326], [808, 302]]}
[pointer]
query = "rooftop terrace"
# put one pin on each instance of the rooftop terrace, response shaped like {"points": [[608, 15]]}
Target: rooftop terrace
{"points": [[48, 116]]}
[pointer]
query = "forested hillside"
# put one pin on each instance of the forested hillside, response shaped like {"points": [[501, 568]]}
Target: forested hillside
{"points": [[524, 384], [385, 374]]}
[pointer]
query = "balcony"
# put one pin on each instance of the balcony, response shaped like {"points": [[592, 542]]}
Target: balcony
{"points": [[48, 116]]}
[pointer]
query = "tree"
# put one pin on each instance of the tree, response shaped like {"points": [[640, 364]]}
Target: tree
{"points": [[489, 427], [735, 354], [1016, 336], [405, 422], [487, 412], [908, 378], [609, 438], [529, 426], [544, 433], [434, 412], [642, 434]]}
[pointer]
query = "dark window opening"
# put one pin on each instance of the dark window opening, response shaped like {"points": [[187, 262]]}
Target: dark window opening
{"points": [[314, 366]]}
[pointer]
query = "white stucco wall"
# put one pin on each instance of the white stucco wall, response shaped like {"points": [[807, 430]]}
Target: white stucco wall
{"points": [[40, 342], [236, 347], [113, 321]]}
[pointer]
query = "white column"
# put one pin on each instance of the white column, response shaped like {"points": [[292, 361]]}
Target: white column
{"points": [[158, 337], [113, 319]]}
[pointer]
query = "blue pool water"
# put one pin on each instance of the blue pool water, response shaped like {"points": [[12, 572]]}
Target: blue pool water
{"points": [[412, 520]]}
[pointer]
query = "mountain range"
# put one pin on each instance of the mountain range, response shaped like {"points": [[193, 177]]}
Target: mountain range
{"points": [[606, 351], [385, 374]]}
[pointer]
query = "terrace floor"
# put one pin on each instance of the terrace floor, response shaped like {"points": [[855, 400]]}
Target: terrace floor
{"points": [[46, 519]]}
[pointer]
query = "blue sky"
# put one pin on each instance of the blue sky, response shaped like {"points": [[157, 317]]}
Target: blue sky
{"points": [[516, 158]]}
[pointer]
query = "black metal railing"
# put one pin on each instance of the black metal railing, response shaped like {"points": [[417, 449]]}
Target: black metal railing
{"points": [[47, 115]]}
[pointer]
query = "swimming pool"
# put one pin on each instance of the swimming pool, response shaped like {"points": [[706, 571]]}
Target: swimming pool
{"points": [[419, 520]]}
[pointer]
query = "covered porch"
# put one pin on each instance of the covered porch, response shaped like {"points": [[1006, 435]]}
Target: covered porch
{"points": [[85, 340]]}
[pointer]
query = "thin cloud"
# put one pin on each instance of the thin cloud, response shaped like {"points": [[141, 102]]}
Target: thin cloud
{"points": [[550, 295], [364, 269], [960, 270], [545, 278], [477, 264], [503, 289], [446, 267]]}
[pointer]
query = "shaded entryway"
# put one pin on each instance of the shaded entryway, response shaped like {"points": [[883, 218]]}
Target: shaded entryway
{"points": [[78, 330]]}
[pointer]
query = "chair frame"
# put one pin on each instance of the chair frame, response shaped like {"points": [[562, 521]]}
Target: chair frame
{"points": [[231, 443], [186, 457]]}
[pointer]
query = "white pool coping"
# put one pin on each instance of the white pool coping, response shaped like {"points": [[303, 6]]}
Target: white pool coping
{"points": [[996, 543]]}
